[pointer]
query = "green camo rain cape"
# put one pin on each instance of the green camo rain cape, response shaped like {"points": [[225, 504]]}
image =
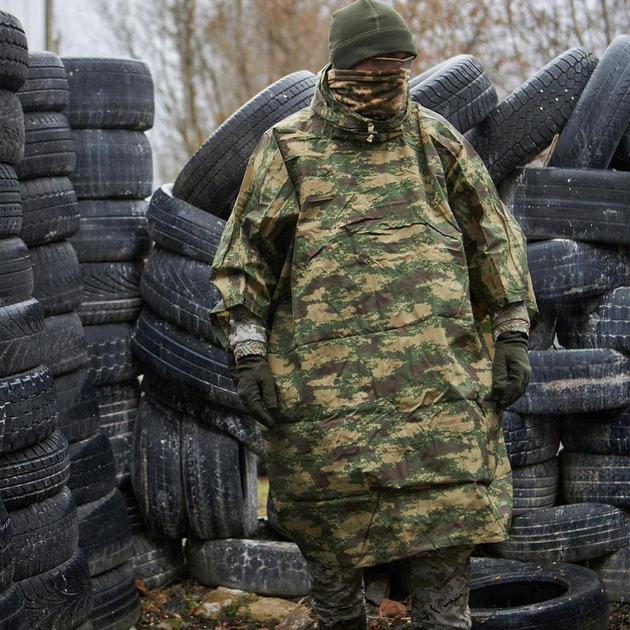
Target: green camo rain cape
{"points": [[373, 250]]}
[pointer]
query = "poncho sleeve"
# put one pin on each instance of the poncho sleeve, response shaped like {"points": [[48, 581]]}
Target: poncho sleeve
{"points": [[252, 264], [494, 242]]}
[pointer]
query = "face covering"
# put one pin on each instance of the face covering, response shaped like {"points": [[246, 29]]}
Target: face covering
{"points": [[372, 94]]}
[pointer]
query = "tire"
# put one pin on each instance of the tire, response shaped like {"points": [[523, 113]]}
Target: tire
{"points": [[109, 93], [178, 289], [118, 407], [568, 271], [214, 482], [59, 599], [181, 228], [621, 159], [49, 149], [133, 509], [112, 231], [460, 91], [543, 335], [109, 351], [45, 535], [78, 405], [10, 203], [514, 596], [613, 570], [594, 478], [6, 554], [523, 124], [156, 471], [579, 204], [266, 567], [121, 448], [157, 562], [46, 88], [116, 605], [49, 207], [34, 473], [575, 381], [602, 114], [566, 533], [57, 272], [232, 421], [111, 292], [104, 533], [603, 432], [603, 322], [12, 611], [92, 469], [22, 337], [65, 344], [112, 164], [535, 486], [211, 178], [28, 409], [12, 136], [530, 439], [16, 272], [181, 357], [13, 53]]}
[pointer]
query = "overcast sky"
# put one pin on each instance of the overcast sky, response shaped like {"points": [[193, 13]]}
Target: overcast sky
{"points": [[77, 23]]}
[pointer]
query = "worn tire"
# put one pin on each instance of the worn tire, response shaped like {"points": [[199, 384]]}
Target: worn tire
{"points": [[109, 350], [566, 533], [12, 135], [112, 230], [6, 554], [78, 405], [157, 562], [49, 206], [118, 407], [116, 604], [535, 486], [16, 272], [66, 350], [182, 228], [13, 53], [49, 149], [57, 273], [515, 596], [530, 439], [45, 535], [178, 289], [544, 334], [59, 599], [602, 432], [177, 355], [156, 471], [111, 292], [34, 473], [525, 122], [602, 114], [613, 570], [112, 164], [28, 408], [12, 611], [46, 87], [22, 337], [10, 203], [267, 567], [92, 469], [121, 448], [104, 533], [621, 159], [579, 204], [109, 93], [211, 178]]}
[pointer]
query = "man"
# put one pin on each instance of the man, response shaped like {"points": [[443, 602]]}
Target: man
{"points": [[365, 252]]}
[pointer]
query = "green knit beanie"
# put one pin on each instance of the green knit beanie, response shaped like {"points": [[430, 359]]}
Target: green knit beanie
{"points": [[364, 29]]}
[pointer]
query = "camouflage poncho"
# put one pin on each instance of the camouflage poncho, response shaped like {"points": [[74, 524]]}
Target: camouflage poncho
{"points": [[373, 250]]}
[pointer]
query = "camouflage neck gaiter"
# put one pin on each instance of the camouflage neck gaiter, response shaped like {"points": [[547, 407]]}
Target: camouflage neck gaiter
{"points": [[376, 95]]}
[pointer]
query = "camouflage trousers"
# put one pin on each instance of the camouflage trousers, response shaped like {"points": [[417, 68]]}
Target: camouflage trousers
{"points": [[439, 584]]}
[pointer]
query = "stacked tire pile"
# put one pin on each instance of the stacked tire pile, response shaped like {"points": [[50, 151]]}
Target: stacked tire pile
{"points": [[576, 215], [39, 549], [194, 450]]}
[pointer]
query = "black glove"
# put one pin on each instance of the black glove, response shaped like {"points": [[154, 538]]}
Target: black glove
{"points": [[256, 388], [510, 362]]}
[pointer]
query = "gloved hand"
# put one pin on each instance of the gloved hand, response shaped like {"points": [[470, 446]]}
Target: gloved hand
{"points": [[510, 360], [256, 388]]}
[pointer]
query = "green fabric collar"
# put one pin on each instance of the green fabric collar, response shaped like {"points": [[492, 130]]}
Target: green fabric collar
{"points": [[349, 124]]}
